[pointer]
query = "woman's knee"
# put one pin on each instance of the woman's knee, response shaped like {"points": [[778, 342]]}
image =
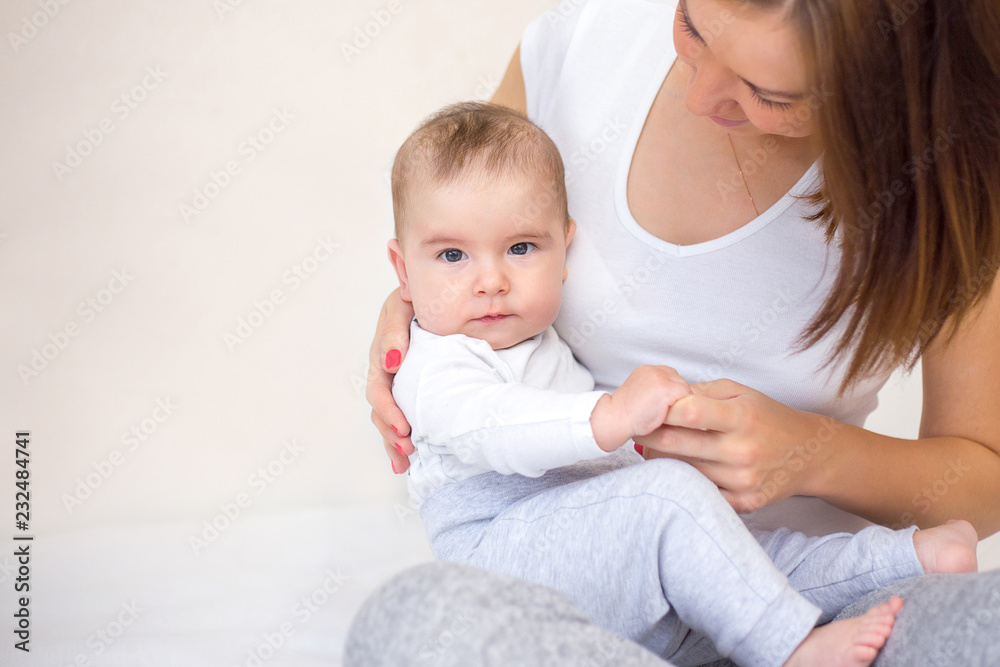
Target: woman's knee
{"points": [[947, 619]]}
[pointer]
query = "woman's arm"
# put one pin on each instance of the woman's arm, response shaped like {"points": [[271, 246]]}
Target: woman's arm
{"points": [[759, 451], [953, 470], [510, 92]]}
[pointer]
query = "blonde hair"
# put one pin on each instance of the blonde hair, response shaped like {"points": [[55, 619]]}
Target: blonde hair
{"points": [[493, 140]]}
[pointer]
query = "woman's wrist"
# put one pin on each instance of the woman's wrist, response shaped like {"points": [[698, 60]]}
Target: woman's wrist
{"points": [[821, 445]]}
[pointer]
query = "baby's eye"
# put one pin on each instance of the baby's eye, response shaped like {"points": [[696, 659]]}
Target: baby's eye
{"points": [[521, 248], [452, 255]]}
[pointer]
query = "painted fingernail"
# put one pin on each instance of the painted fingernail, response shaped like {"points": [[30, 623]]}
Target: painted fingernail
{"points": [[638, 449], [398, 448], [392, 358], [393, 464], [395, 430]]}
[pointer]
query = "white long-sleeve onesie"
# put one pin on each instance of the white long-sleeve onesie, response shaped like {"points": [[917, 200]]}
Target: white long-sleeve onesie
{"points": [[522, 410]]}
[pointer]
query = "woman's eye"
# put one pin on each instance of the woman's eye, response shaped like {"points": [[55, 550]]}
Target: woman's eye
{"points": [[452, 255], [688, 28], [771, 105], [521, 248]]}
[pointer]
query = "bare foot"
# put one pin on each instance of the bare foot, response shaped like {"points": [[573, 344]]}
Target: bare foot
{"points": [[853, 642], [948, 548]]}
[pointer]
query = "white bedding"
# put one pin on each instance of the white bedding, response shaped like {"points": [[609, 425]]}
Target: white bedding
{"points": [[168, 606]]}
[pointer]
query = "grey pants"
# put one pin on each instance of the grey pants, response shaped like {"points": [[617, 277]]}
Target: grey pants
{"points": [[653, 552], [545, 530], [451, 615]]}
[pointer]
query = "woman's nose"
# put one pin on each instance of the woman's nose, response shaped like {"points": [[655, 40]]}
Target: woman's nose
{"points": [[709, 91]]}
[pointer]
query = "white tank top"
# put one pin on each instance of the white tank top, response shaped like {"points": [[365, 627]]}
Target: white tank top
{"points": [[732, 307]]}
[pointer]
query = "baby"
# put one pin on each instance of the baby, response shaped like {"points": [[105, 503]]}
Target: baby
{"points": [[511, 467]]}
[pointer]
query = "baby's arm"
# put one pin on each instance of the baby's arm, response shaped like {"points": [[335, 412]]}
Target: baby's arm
{"points": [[638, 407], [465, 406]]}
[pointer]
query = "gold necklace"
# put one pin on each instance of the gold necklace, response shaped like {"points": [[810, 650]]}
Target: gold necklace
{"points": [[752, 202]]}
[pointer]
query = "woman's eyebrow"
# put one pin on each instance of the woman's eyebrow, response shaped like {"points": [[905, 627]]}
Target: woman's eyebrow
{"points": [[763, 92]]}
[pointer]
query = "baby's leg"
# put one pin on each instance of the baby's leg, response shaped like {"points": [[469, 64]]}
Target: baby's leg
{"points": [[833, 571], [640, 548]]}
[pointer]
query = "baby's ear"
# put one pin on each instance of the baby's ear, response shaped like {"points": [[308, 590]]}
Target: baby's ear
{"points": [[570, 231], [396, 259]]}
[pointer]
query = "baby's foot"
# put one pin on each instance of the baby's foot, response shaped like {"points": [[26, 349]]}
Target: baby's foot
{"points": [[948, 548], [853, 642]]}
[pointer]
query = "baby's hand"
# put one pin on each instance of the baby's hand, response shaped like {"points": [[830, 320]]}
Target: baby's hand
{"points": [[638, 407], [647, 395]]}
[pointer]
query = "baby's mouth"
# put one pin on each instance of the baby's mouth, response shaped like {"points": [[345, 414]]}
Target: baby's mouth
{"points": [[492, 318]]}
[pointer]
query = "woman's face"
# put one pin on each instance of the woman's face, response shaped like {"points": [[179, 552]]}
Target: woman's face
{"points": [[747, 74]]}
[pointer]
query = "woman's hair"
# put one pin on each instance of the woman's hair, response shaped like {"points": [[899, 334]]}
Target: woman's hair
{"points": [[910, 128], [476, 140]]}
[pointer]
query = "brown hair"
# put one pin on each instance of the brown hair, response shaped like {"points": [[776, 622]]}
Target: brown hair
{"points": [[911, 165], [497, 141]]}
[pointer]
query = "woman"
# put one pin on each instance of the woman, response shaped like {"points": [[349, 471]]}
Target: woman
{"points": [[798, 196]]}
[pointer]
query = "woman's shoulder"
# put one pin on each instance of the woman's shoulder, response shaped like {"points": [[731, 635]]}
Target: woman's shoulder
{"points": [[589, 39], [573, 20]]}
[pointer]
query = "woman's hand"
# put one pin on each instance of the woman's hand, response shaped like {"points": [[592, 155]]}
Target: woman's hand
{"points": [[392, 339], [755, 449]]}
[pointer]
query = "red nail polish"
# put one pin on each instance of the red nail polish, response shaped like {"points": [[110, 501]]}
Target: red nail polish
{"points": [[393, 464], [638, 449], [392, 358], [396, 430], [398, 448]]}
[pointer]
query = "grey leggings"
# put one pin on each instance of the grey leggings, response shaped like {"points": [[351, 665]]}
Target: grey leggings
{"points": [[450, 615]]}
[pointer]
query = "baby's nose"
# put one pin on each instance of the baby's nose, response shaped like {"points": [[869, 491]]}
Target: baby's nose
{"points": [[491, 280]]}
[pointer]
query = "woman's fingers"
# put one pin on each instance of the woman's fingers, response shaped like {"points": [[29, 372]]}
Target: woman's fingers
{"points": [[719, 389], [392, 338], [681, 443], [698, 411], [393, 335], [395, 446]]}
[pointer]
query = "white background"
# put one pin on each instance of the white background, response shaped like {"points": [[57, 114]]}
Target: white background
{"points": [[300, 375]]}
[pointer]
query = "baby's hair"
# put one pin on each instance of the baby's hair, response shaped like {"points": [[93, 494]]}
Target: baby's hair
{"points": [[475, 140]]}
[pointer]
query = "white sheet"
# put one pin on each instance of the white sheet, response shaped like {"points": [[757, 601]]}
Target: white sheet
{"points": [[216, 607]]}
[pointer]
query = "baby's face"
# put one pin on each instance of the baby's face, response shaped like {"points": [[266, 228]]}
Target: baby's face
{"points": [[486, 261]]}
